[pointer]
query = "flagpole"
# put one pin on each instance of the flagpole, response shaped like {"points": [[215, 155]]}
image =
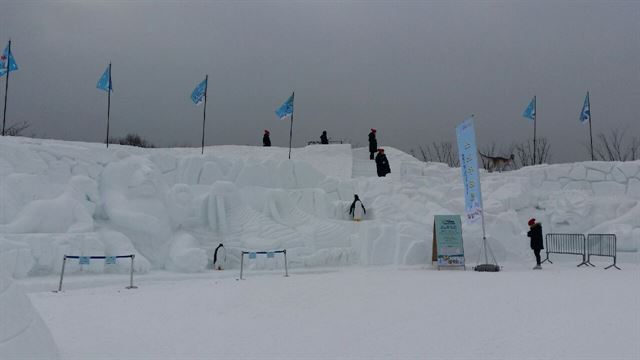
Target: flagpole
{"points": [[291, 128], [108, 105], [204, 118], [535, 118], [590, 135], [6, 88]]}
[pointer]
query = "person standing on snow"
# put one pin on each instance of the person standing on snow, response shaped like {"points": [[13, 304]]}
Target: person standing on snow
{"points": [[357, 212], [323, 138], [535, 233], [382, 164], [266, 141], [373, 143]]}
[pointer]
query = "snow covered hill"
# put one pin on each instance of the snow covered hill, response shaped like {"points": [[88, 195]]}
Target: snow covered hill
{"points": [[172, 207]]}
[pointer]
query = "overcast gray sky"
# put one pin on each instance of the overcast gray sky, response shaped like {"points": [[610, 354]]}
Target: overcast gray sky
{"points": [[413, 70]]}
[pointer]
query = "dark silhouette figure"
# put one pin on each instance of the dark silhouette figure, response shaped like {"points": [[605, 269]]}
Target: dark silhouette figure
{"points": [[266, 141], [355, 211], [219, 259], [382, 164], [535, 233], [373, 143], [323, 138]]}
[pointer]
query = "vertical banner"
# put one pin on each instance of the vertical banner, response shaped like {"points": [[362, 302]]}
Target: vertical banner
{"points": [[468, 153]]}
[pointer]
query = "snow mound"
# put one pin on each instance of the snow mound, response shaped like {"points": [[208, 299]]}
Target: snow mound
{"points": [[172, 207], [23, 334]]}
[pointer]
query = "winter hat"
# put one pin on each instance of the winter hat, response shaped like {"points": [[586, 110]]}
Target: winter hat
{"points": [[380, 150], [372, 129], [266, 131], [531, 221]]}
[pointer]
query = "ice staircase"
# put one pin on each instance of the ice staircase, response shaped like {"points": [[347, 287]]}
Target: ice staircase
{"points": [[362, 166]]}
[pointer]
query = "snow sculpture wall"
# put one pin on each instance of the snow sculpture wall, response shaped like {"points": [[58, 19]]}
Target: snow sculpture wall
{"points": [[172, 207]]}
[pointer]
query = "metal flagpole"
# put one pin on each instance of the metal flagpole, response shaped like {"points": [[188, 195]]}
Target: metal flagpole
{"points": [[590, 135], [291, 128], [6, 89], [485, 245], [108, 105], [204, 118], [535, 118]]}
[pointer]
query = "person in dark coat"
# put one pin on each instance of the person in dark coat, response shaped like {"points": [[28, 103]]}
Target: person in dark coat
{"points": [[382, 164], [323, 138], [357, 212], [535, 233], [266, 141], [373, 143]]}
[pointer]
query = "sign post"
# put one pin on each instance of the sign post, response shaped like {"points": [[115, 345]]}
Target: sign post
{"points": [[448, 249]]}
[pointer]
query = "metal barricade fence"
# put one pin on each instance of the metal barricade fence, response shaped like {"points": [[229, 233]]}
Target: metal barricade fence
{"points": [[85, 260], [572, 244], [602, 245], [270, 254]]}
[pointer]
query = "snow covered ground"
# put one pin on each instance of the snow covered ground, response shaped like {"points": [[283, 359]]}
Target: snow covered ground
{"points": [[356, 290], [561, 312]]}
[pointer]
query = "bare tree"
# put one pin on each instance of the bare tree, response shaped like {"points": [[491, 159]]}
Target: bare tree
{"points": [[132, 140], [17, 129], [615, 147], [525, 155], [444, 152]]}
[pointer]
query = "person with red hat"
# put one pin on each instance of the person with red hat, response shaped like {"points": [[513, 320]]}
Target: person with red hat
{"points": [[266, 141], [373, 143], [535, 233], [382, 164]]}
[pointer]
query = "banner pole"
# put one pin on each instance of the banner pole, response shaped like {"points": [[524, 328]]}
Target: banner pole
{"points": [[108, 106], [535, 119], [291, 128], [131, 286], [204, 118], [64, 262], [6, 88], [484, 233], [590, 134]]}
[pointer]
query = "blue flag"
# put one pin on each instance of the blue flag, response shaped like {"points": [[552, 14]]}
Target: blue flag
{"points": [[105, 80], [286, 109], [199, 92], [530, 111], [7, 62], [585, 114]]}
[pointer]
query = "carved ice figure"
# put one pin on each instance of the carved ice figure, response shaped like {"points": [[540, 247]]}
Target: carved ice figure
{"points": [[569, 208], [72, 211], [185, 209], [185, 254], [230, 216], [626, 226], [116, 243], [135, 201], [221, 193]]}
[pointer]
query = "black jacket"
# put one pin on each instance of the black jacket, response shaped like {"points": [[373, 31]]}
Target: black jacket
{"points": [[535, 233], [323, 139], [373, 142], [382, 164], [266, 141]]}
